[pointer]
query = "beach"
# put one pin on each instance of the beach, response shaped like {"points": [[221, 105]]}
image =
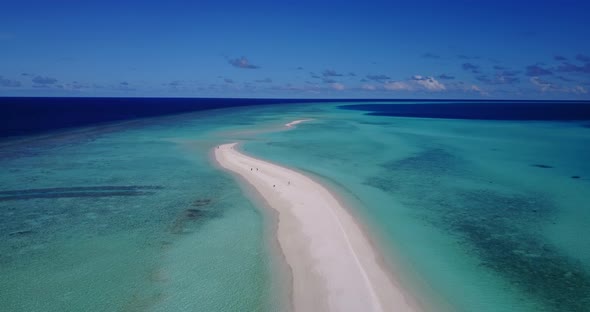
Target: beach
{"points": [[334, 266]]}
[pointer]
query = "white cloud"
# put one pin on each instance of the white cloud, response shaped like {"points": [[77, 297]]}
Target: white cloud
{"points": [[429, 83], [397, 86], [337, 86], [368, 87], [541, 84], [580, 90], [417, 82], [545, 86], [477, 89]]}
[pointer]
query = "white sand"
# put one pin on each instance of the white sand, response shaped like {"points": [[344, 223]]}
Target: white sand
{"points": [[333, 265], [295, 122]]}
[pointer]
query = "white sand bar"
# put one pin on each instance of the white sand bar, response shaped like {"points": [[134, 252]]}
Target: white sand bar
{"points": [[295, 122], [334, 267]]}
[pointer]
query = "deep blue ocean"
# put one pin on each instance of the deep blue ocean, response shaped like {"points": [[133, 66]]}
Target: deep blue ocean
{"points": [[21, 116], [483, 110], [27, 115]]}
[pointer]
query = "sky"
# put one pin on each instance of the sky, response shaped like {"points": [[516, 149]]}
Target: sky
{"points": [[297, 49]]}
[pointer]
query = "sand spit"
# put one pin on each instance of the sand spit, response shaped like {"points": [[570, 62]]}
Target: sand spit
{"points": [[295, 122], [334, 266]]}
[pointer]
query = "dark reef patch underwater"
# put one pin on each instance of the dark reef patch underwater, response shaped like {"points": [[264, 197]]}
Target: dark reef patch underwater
{"points": [[79, 191], [499, 228]]}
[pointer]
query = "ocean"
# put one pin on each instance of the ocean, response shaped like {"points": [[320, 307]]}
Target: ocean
{"points": [[476, 209]]}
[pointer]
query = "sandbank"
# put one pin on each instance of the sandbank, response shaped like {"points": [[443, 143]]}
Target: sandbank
{"points": [[334, 266]]}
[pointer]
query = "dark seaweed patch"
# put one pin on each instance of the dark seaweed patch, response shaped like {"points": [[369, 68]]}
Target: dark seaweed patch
{"points": [[434, 162], [526, 261], [21, 232], [529, 264], [383, 184], [73, 192], [82, 188], [74, 195], [541, 166], [576, 177], [501, 229], [194, 213], [188, 217], [201, 202]]}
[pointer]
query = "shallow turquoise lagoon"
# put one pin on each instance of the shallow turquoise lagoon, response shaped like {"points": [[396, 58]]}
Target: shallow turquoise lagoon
{"points": [[134, 216], [129, 217]]}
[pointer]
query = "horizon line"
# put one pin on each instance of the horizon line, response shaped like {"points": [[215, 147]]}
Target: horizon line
{"points": [[292, 99]]}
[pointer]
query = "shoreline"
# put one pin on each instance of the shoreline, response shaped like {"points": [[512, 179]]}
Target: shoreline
{"points": [[334, 265]]}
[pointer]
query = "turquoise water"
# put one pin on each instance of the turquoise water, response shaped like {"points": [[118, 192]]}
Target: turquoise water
{"points": [[481, 215], [129, 217], [472, 215]]}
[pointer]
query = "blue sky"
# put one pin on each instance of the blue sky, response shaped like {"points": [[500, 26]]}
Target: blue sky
{"points": [[296, 49]]}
